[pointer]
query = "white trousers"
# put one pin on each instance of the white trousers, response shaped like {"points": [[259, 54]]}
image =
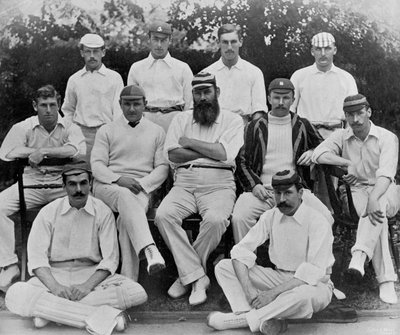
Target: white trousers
{"points": [[96, 311], [248, 209], [374, 240], [9, 204], [298, 303], [90, 134], [209, 192], [133, 229]]}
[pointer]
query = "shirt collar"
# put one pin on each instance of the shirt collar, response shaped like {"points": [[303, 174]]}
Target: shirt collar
{"points": [[102, 70], [302, 214], [373, 131], [220, 64], [167, 59], [60, 121], [332, 69], [89, 207]]}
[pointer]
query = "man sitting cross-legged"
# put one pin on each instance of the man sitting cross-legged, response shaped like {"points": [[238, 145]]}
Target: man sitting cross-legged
{"points": [[73, 254], [301, 249]]}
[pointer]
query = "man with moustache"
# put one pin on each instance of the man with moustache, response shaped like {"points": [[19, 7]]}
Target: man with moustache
{"points": [[301, 249], [128, 164], [321, 88], [279, 140], [92, 93], [241, 83], [369, 154], [45, 135], [73, 255], [202, 145], [165, 79]]}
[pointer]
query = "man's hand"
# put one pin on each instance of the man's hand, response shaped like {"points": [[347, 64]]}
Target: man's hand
{"points": [[251, 293], [374, 212], [185, 142], [305, 158], [260, 192], [35, 158], [80, 291], [130, 183], [263, 299], [350, 178], [62, 291]]}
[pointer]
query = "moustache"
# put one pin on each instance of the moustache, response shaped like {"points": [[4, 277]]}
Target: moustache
{"points": [[283, 205], [78, 194]]}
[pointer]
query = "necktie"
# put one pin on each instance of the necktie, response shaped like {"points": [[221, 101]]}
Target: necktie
{"points": [[133, 124]]}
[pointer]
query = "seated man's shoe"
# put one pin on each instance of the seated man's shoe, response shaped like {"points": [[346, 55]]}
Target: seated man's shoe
{"points": [[355, 272], [39, 322], [387, 292], [155, 262], [7, 275], [199, 288], [177, 289], [222, 321], [273, 327], [122, 322]]}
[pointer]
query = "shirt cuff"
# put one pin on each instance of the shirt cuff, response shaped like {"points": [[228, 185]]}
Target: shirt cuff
{"points": [[34, 264], [243, 255], [108, 266], [309, 273]]}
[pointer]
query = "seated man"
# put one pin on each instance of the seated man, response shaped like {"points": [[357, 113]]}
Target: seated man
{"points": [[301, 249], [202, 144], [279, 140], [128, 163], [37, 137], [73, 253], [369, 154]]}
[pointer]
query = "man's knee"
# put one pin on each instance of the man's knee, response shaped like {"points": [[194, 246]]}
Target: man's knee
{"points": [[131, 294], [215, 221], [21, 298], [165, 215], [223, 267]]}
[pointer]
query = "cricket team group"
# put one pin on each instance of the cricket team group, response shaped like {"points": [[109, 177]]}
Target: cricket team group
{"points": [[231, 159]]}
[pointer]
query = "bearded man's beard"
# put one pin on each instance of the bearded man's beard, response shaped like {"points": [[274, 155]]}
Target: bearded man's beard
{"points": [[205, 113]]}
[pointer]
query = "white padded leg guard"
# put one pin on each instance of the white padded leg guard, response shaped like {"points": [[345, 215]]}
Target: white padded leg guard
{"points": [[117, 291], [30, 301]]}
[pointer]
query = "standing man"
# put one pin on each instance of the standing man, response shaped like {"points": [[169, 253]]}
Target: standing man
{"points": [[166, 80], [279, 140], [128, 164], [321, 88], [369, 154], [92, 93], [301, 249], [202, 145], [241, 83], [43, 135], [73, 255]]}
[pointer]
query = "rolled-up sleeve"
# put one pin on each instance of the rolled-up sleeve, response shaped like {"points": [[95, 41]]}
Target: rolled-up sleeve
{"points": [[39, 242], [108, 242], [76, 140], [389, 148], [257, 235], [333, 144], [319, 259], [14, 139], [232, 139]]}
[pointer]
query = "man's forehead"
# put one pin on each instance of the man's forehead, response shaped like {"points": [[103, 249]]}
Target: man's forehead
{"points": [[47, 100], [89, 48], [230, 36], [332, 45], [131, 99]]}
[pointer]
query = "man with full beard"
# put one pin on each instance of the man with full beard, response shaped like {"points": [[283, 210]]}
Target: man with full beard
{"points": [[201, 145]]}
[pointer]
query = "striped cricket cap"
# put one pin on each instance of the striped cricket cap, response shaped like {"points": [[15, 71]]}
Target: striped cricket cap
{"points": [[322, 40]]}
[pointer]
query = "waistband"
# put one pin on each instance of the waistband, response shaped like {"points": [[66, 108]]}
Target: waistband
{"points": [[165, 110], [73, 263], [329, 126], [189, 166]]}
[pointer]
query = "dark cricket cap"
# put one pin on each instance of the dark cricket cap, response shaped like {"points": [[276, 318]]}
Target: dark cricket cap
{"points": [[285, 178], [354, 103], [132, 92], [76, 168], [160, 27], [281, 84]]}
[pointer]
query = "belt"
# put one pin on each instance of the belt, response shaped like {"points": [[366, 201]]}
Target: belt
{"points": [[328, 126], [187, 166], [164, 110]]}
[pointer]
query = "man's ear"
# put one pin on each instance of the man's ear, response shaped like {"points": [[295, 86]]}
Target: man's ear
{"points": [[218, 92], [34, 104]]}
